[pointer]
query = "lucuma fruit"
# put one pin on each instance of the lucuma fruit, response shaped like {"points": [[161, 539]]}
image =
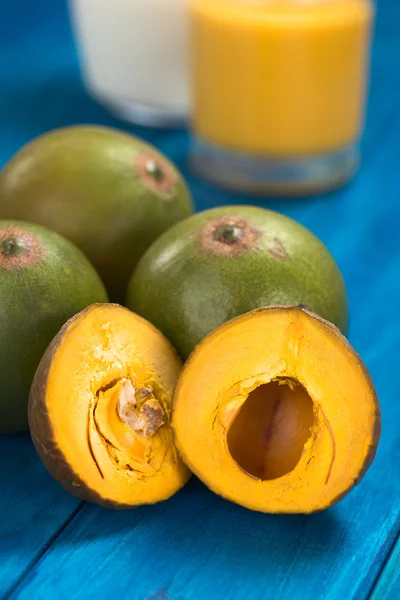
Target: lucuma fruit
{"points": [[100, 409], [107, 191], [44, 280], [223, 262], [275, 411]]}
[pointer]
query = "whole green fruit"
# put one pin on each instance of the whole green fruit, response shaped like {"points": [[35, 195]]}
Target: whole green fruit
{"points": [[44, 280], [107, 191], [223, 262]]}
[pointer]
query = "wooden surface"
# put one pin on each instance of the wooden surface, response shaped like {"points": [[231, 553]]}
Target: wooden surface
{"points": [[197, 546]]}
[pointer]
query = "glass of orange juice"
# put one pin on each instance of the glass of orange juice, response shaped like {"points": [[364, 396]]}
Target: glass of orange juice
{"points": [[279, 90]]}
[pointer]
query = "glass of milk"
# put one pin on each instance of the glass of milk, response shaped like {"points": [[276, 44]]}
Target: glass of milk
{"points": [[134, 57]]}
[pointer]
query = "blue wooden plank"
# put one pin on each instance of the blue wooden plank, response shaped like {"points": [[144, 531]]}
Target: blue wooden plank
{"points": [[388, 586], [33, 508], [196, 545]]}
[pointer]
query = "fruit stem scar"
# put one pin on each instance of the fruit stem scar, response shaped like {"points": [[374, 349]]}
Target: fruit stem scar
{"points": [[154, 170], [18, 248], [228, 234], [11, 247], [156, 173]]}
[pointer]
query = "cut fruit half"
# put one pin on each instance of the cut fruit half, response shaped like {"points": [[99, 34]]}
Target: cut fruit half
{"points": [[100, 408], [275, 411]]}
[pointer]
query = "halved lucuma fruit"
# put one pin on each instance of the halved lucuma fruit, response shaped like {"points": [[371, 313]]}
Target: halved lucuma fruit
{"points": [[275, 411], [100, 407]]}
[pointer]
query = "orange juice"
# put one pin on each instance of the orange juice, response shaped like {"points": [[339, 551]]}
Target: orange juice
{"points": [[283, 82]]}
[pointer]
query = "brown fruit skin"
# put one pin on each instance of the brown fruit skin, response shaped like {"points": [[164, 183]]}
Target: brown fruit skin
{"points": [[89, 184], [42, 429], [378, 418]]}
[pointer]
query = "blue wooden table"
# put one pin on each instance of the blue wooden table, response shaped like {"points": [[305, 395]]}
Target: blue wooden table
{"points": [[197, 546]]}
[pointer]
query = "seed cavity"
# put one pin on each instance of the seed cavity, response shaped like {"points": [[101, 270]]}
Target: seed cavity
{"points": [[228, 235], [156, 174], [148, 418], [18, 249]]}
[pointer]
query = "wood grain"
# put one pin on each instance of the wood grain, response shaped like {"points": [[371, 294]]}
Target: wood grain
{"points": [[388, 585], [33, 509], [197, 546]]}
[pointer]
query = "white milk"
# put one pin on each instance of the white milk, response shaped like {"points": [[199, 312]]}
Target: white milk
{"points": [[134, 56]]}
